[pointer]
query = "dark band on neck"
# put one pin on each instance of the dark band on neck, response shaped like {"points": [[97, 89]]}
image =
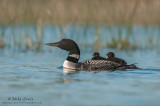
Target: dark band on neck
{"points": [[72, 59]]}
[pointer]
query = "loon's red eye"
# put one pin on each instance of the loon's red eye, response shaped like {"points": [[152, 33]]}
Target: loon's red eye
{"points": [[64, 42]]}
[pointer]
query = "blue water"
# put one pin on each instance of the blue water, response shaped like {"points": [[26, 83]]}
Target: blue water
{"points": [[30, 77], [143, 37], [39, 75]]}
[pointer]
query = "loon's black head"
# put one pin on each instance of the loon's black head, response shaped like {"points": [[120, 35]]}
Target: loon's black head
{"points": [[96, 54], [68, 45], [110, 54]]}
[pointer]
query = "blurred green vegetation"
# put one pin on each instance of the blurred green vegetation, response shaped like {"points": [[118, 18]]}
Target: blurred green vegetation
{"points": [[80, 11], [66, 13]]}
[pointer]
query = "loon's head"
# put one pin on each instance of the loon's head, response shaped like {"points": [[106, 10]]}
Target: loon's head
{"points": [[96, 54], [74, 52], [68, 45], [110, 54]]}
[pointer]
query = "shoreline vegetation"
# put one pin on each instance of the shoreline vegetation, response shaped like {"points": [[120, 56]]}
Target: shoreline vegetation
{"points": [[65, 14], [33, 37], [138, 12]]}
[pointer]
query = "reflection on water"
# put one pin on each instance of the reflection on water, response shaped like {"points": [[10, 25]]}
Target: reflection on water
{"points": [[69, 71]]}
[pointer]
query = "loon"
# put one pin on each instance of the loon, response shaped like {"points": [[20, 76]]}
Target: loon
{"points": [[74, 55], [96, 56], [111, 57]]}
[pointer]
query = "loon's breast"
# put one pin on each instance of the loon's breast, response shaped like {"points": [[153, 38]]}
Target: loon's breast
{"points": [[71, 65]]}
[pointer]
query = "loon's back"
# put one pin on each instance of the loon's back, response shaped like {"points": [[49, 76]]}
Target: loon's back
{"points": [[103, 65], [98, 65]]}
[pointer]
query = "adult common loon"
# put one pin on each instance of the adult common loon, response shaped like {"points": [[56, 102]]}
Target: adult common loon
{"points": [[111, 57], [74, 54]]}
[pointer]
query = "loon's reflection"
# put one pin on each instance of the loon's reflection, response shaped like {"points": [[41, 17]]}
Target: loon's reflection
{"points": [[67, 71]]}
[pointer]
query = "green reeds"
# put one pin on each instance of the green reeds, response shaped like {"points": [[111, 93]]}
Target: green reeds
{"points": [[2, 43], [97, 39], [32, 37], [124, 42], [80, 11]]}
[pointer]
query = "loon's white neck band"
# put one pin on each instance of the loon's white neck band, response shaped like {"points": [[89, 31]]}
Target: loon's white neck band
{"points": [[75, 56], [71, 61]]}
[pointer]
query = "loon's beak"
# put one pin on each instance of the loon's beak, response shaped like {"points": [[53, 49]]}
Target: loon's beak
{"points": [[53, 44]]}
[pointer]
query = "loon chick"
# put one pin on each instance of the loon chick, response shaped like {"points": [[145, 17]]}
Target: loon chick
{"points": [[96, 56], [74, 54], [111, 57]]}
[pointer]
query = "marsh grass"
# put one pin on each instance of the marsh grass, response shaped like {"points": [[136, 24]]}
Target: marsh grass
{"points": [[80, 11], [124, 42], [33, 37], [2, 37], [97, 39], [86, 14]]}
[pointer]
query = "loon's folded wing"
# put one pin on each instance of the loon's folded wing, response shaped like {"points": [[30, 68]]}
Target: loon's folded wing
{"points": [[99, 65], [104, 65]]}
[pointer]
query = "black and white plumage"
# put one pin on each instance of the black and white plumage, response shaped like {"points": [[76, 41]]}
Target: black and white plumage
{"points": [[74, 54], [98, 65], [104, 65]]}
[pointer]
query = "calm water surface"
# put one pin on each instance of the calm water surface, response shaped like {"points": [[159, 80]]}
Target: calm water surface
{"points": [[39, 76]]}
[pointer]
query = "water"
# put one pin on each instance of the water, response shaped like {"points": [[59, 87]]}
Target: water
{"points": [[20, 36], [28, 77], [39, 76]]}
